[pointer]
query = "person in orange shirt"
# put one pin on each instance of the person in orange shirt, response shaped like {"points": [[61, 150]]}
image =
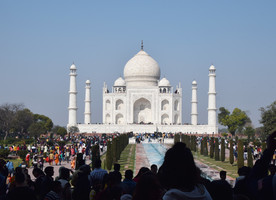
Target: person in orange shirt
{"points": [[73, 162], [56, 158]]}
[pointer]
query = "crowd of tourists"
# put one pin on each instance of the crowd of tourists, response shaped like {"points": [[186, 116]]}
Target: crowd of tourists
{"points": [[177, 178]]}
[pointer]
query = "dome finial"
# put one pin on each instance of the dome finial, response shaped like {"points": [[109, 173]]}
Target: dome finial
{"points": [[142, 45]]}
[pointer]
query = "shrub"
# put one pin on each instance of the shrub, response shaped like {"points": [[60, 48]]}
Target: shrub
{"points": [[240, 154], [109, 159], [222, 157], [216, 149], [249, 157], [4, 153], [212, 147], [231, 152], [176, 138], [22, 154]]}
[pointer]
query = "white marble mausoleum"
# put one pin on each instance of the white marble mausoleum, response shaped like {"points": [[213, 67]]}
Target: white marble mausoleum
{"points": [[141, 102]]}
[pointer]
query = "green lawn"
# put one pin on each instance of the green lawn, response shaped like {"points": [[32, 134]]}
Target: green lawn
{"points": [[218, 165], [127, 159]]}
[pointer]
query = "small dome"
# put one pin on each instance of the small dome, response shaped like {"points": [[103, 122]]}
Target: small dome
{"points": [[194, 83], [73, 66], [164, 83], [87, 82], [142, 70], [120, 82], [212, 67]]}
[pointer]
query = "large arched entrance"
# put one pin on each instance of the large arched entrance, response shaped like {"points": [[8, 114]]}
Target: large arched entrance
{"points": [[142, 111]]}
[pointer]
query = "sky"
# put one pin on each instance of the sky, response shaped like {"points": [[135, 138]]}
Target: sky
{"points": [[39, 40]]}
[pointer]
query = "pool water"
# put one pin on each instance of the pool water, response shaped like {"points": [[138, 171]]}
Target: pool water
{"points": [[155, 153]]}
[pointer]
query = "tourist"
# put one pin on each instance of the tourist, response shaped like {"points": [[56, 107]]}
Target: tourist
{"points": [[21, 190], [262, 186], [39, 175], [55, 192], [97, 175], [56, 158], [140, 173], [179, 175], [148, 187], [128, 184], [154, 168], [221, 189], [64, 177], [116, 168], [10, 167], [81, 183], [47, 181]]}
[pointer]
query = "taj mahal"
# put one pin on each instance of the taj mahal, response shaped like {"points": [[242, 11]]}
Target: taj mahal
{"points": [[140, 102]]}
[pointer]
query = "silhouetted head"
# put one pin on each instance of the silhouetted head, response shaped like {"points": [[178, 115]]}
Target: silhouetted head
{"points": [[244, 171], [178, 169], [129, 174], [37, 172], [148, 187], [222, 175], [117, 167], [98, 163], [49, 171], [153, 169]]}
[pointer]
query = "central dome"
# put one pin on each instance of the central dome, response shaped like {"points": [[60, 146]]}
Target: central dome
{"points": [[142, 70]]}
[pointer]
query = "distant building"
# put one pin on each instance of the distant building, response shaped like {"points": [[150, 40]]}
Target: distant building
{"points": [[141, 102]]}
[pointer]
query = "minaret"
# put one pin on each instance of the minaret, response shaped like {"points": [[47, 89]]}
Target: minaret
{"points": [[72, 119], [87, 113], [212, 119], [194, 104]]}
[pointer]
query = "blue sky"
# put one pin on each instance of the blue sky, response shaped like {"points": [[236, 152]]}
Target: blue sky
{"points": [[39, 40]]}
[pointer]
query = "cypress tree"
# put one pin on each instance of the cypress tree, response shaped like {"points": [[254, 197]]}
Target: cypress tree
{"points": [[176, 138], [202, 147], [212, 147], [240, 154], [249, 157], [222, 157], [95, 154], [113, 148], [216, 149], [231, 152], [182, 138], [109, 156], [205, 148]]}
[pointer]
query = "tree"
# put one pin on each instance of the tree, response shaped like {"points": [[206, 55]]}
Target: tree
{"points": [[216, 149], [250, 133], [231, 152], [23, 120], [249, 157], [44, 120], [222, 157], [240, 154], [59, 130], [233, 121], [36, 129], [72, 130], [7, 116], [268, 119]]}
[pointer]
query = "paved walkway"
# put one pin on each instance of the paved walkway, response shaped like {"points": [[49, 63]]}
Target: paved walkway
{"points": [[141, 158]]}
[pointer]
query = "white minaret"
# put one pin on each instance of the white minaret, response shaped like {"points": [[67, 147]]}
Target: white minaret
{"points": [[212, 119], [72, 119], [194, 104], [87, 101]]}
